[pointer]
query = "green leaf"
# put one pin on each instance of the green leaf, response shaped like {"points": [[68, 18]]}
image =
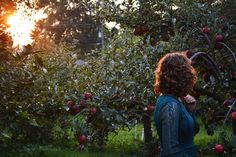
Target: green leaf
{"points": [[33, 122]]}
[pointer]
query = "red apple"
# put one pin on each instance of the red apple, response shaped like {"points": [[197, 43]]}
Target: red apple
{"points": [[229, 102], [206, 30], [226, 103], [206, 77], [150, 107], [219, 149], [70, 103], [138, 31], [82, 139], [75, 109], [233, 116], [93, 110], [82, 102], [87, 95], [189, 53], [144, 29], [219, 38], [222, 17]]}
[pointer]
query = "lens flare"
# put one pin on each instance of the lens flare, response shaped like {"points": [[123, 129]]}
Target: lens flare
{"points": [[22, 23]]}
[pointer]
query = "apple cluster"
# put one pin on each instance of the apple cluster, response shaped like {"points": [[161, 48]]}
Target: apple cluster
{"points": [[218, 38], [219, 148], [75, 109]]}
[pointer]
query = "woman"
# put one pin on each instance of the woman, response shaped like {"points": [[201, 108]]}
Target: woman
{"points": [[174, 120]]}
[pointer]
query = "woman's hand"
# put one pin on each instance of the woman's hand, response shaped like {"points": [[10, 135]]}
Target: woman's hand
{"points": [[190, 102]]}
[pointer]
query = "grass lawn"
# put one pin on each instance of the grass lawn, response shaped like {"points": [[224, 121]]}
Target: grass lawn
{"points": [[121, 145]]}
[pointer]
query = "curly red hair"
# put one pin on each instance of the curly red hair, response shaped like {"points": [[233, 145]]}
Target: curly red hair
{"points": [[174, 75]]}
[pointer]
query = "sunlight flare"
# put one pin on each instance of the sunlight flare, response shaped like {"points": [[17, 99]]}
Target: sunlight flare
{"points": [[22, 23]]}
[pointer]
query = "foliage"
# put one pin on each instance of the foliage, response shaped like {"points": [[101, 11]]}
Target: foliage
{"points": [[32, 92], [114, 76]]}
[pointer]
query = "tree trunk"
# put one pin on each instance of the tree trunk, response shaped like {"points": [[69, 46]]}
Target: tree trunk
{"points": [[234, 127], [147, 128]]}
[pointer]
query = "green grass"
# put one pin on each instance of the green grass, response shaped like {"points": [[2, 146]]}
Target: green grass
{"points": [[202, 139], [121, 145], [125, 140]]}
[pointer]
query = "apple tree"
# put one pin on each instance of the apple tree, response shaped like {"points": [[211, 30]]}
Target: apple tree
{"points": [[207, 30], [120, 79], [32, 88]]}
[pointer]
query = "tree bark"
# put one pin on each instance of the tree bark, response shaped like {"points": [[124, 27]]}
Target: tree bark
{"points": [[147, 128]]}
